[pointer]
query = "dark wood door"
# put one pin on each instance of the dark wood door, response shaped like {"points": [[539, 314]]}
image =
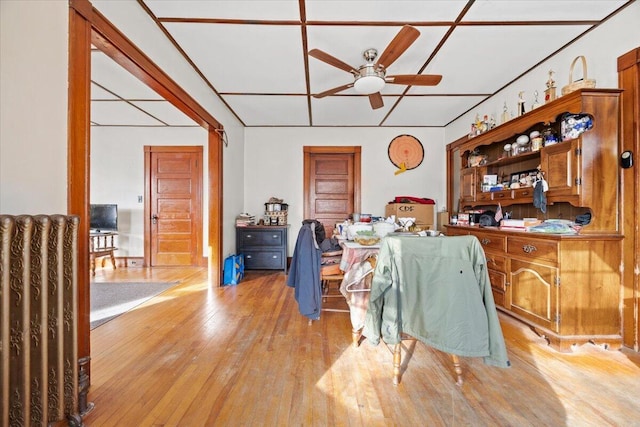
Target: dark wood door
{"points": [[175, 206], [332, 184]]}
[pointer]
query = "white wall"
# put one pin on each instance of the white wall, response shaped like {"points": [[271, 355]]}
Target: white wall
{"points": [[601, 47], [33, 106], [117, 175], [274, 167]]}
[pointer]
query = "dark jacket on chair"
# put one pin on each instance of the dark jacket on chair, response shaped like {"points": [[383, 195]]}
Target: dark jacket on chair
{"points": [[304, 273]]}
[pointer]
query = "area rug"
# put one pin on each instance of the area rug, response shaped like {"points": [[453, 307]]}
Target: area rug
{"points": [[111, 299]]}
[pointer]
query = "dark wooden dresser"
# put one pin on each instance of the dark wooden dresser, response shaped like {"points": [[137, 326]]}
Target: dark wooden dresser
{"points": [[264, 246]]}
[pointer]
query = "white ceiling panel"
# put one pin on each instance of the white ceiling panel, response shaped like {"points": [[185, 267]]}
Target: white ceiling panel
{"points": [[110, 75], [229, 9], [338, 111], [252, 53], [385, 11], [245, 58], [467, 70], [166, 112], [98, 93], [541, 10], [430, 110], [120, 113], [270, 110]]}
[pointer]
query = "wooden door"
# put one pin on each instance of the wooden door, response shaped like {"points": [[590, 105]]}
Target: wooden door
{"points": [[534, 294], [468, 185], [561, 165], [332, 184], [174, 214]]}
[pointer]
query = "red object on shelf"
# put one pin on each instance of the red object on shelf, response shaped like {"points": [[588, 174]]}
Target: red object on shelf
{"points": [[410, 199]]}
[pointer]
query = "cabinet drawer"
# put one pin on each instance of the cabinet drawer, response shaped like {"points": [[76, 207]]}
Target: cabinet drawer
{"points": [[533, 249], [523, 193], [502, 195], [491, 242], [453, 231], [496, 262], [261, 238], [498, 279], [483, 197], [267, 260]]}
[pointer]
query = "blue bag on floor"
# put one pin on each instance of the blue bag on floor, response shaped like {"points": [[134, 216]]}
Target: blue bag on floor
{"points": [[233, 269]]}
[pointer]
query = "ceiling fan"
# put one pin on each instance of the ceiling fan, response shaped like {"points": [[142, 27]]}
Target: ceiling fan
{"points": [[371, 77]]}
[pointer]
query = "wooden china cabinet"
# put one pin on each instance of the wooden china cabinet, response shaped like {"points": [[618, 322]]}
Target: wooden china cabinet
{"points": [[566, 287]]}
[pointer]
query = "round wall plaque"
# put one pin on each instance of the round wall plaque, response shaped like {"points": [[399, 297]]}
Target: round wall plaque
{"points": [[406, 152]]}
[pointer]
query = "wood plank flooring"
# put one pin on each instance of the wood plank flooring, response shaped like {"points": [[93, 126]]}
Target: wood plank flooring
{"points": [[244, 356]]}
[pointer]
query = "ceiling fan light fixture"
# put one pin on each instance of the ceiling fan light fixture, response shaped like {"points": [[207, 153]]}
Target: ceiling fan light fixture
{"points": [[368, 84]]}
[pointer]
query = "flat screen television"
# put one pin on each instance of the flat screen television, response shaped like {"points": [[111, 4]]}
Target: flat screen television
{"points": [[103, 217]]}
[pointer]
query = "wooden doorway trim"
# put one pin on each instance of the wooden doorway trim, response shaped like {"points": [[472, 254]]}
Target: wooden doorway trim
{"points": [[87, 26], [629, 81], [355, 150]]}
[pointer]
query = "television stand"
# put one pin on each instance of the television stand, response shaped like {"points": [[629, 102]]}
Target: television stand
{"points": [[101, 245]]}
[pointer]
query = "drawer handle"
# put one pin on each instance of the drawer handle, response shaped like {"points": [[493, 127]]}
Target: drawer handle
{"points": [[275, 236], [485, 241], [500, 196], [529, 248], [249, 256], [248, 236], [525, 193], [275, 256]]}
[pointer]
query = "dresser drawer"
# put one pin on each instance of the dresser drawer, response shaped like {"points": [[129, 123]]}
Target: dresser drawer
{"points": [[264, 259], [490, 242], [498, 279], [264, 247], [496, 262], [532, 248], [260, 238]]}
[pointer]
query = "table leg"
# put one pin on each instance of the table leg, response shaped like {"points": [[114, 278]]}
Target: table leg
{"points": [[457, 368], [356, 334], [397, 361], [113, 260]]}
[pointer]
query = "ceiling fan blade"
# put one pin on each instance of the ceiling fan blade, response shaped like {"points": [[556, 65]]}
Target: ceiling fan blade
{"points": [[398, 45], [331, 60], [332, 91], [414, 79], [375, 99]]}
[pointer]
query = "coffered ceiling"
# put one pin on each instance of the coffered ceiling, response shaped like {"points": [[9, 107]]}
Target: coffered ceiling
{"points": [[253, 54]]}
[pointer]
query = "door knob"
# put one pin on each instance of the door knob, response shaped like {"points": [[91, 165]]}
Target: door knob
{"points": [[154, 219]]}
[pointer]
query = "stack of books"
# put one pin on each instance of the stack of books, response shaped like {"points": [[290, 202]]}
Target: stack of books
{"points": [[518, 224], [244, 219]]}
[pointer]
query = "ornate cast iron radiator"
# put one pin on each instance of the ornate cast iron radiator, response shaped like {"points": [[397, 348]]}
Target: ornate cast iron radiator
{"points": [[38, 320]]}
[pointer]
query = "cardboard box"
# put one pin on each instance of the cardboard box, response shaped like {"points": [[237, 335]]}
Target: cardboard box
{"points": [[424, 214], [443, 219]]}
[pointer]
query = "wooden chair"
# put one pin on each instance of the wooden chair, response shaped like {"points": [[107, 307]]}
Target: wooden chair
{"points": [[397, 362], [330, 274]]}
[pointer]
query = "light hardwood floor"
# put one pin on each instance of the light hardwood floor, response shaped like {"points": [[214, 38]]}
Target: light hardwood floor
{"points": [[244, 356]]}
